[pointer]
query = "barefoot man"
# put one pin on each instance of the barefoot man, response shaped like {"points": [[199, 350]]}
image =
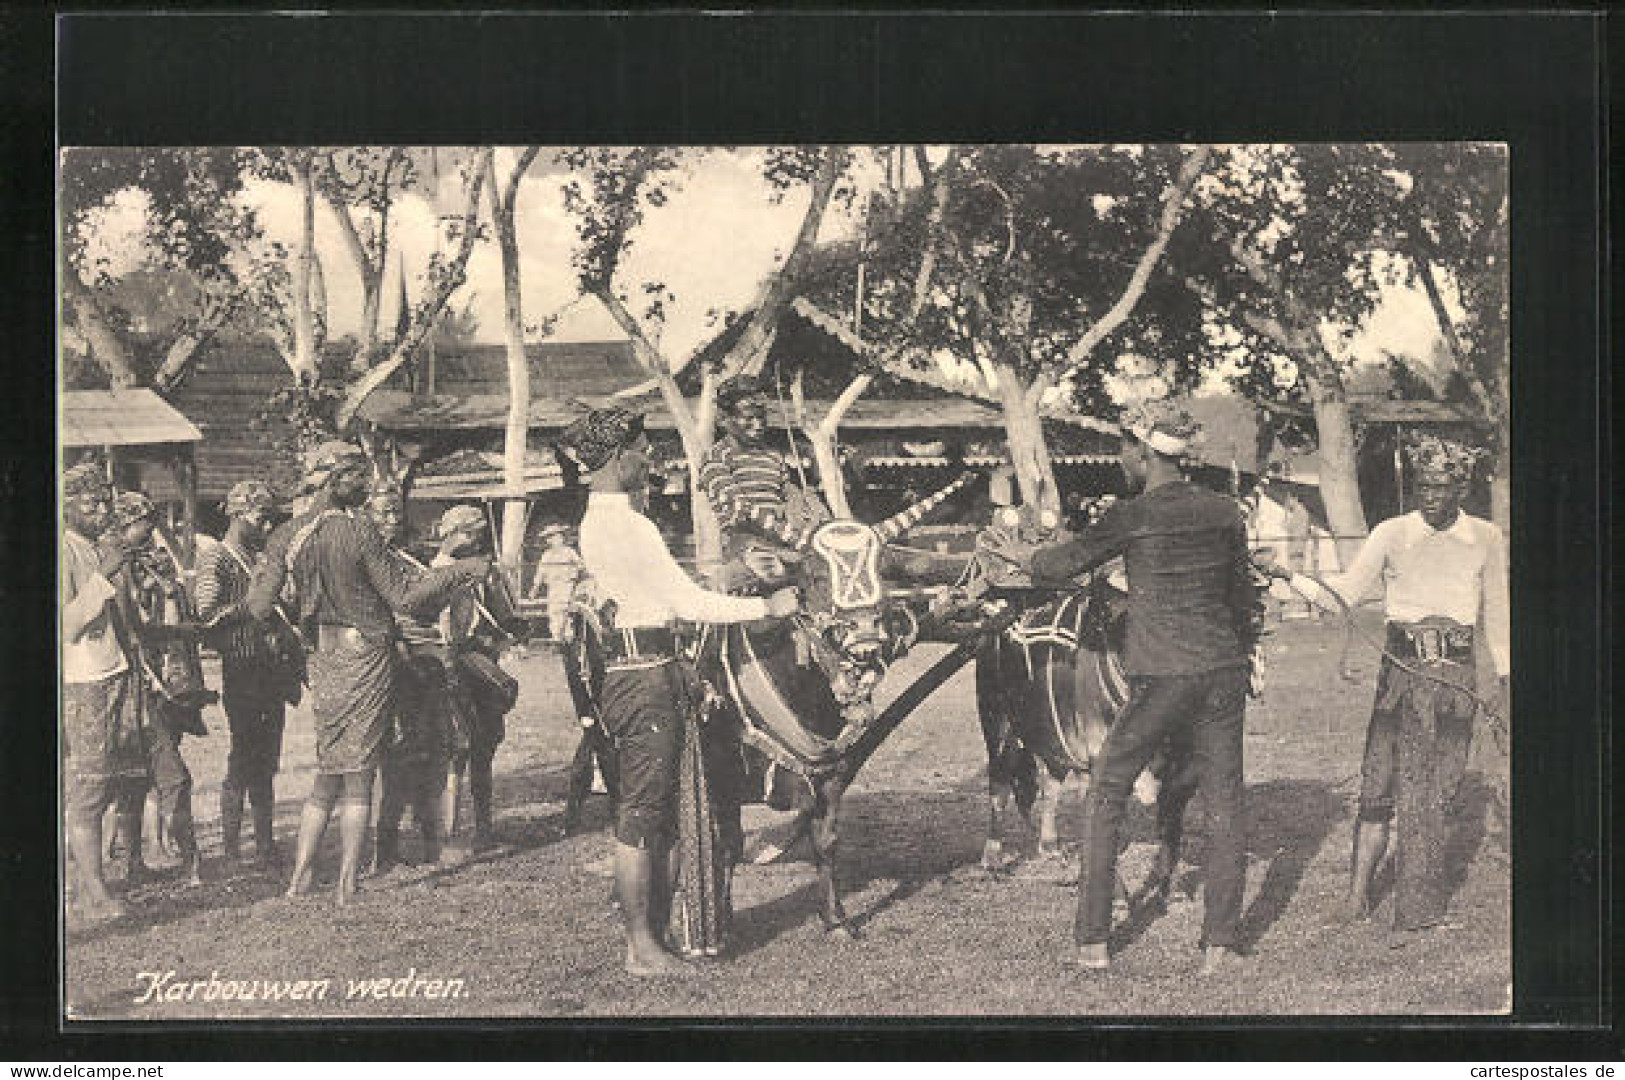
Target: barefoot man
{"points": [[348, 587], [103, 755], [1441, 573], [1190, 601], [642, 698]]}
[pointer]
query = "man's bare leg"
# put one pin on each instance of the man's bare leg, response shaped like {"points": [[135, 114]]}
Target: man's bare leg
{"points": [[312, 826], [1370, 843], [85, 845], [354, 817], [635, 882]]}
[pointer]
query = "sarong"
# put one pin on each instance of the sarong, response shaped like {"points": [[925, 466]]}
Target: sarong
{"points": [[1416, 755], [703, 860], [102, 743], [352, 694]]}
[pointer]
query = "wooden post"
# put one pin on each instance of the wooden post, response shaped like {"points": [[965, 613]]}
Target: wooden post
{"points": [[186, 472], [1399, 465]]}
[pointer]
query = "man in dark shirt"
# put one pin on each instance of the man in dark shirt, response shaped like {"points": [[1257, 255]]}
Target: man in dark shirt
{"points": [[1185, 553], [347, 587]]}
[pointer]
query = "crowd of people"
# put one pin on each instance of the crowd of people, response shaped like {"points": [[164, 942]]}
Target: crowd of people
{"points": [[399, 660]]}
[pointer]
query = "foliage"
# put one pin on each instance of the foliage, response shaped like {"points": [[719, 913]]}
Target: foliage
{"points": [[1033, 247], [1286, 240], [607, 194], [192, 224]]}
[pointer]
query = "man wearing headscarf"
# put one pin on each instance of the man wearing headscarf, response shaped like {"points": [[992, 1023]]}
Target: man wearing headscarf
{"points": [[1190, 600], [1442, 572], [348, 588], [147, 584], [749, 489], [103, 697], [413, 769], [473, 635], [255, 673], [646, 700]]}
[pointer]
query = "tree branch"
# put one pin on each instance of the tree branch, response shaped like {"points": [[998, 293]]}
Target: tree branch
{"points": [[364, 387], [1172, 207], [104, 343], [511, 192], [749, 352], [648, 357]]}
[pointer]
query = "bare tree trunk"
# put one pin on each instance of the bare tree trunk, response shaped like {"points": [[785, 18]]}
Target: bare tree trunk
{"points": [[1339, 475], [372, 284], [304, 323], [105, 345], [1028, 453], [424, 319], [318, 298], [518, 423]]}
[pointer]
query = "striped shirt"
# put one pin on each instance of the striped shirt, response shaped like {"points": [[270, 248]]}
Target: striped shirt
{"points": [[746, 489], [224, 572]]}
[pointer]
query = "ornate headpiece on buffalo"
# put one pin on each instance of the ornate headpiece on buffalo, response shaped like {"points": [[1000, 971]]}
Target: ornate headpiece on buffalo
{"points": [[1165, 428], [597, 437], [86, 478], [736, 389], [1436, 459], [250, 496]]}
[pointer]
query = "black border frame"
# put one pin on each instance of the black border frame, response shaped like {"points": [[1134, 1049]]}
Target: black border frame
{"points": [[1534, 81]]}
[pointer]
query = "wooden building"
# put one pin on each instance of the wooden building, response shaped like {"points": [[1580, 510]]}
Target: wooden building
{"points": [[147, 445]]}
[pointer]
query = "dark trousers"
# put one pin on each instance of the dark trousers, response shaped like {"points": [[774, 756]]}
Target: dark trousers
{"points": [[594, 748], [1203, 713], [256, 715], [171, 779]]}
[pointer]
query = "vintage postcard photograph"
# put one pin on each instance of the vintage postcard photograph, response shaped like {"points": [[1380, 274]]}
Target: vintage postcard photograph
{"points": [[814, 581]]}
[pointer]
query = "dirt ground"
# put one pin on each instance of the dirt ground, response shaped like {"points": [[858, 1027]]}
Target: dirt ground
{"points": [[528, 931]]}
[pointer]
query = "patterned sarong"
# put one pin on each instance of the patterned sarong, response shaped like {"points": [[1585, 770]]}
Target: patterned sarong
{"points": [[1416, 755], [352, 690], [102, 738], [702, 861]]}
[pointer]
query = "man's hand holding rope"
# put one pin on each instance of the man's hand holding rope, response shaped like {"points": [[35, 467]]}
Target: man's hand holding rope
{"points": [[1495, 713]]}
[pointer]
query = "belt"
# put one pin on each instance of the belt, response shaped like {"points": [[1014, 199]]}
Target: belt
{"points": [[1431, 641], [330, 636], [639, 646]]}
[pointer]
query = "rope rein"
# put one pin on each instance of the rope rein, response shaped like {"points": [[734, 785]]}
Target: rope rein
{"points": [[1352, 630]]}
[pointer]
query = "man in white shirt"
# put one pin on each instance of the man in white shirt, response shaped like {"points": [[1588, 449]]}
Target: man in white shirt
{"points": [[103, 756], [1442, 573], [643, 698]]}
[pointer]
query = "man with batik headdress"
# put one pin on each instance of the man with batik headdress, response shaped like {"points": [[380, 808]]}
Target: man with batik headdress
{"points": [[412, 773], [348, 588], [103, 693], [647, 700], [257, 674], [1442, 573], [1190, 605], [475, 627], [149, 588]]}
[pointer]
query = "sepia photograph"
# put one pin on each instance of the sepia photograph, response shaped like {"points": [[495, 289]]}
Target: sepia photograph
{"points": [[971, 580]]}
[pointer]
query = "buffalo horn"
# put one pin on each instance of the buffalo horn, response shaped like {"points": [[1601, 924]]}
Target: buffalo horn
{"points": [[905, 519]]}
